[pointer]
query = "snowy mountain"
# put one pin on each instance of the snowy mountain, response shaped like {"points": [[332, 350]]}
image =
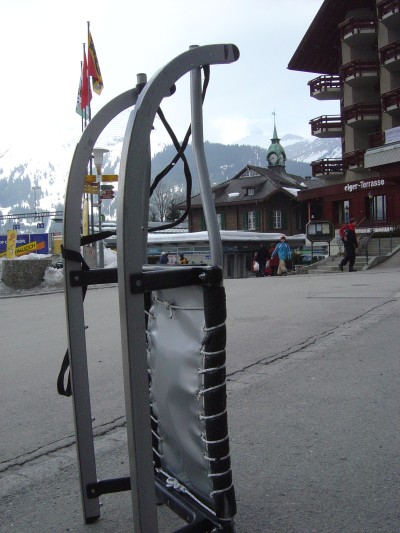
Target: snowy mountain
{"points": [[40, 177]]}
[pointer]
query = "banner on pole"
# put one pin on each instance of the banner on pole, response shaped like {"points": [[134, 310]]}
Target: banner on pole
{"points": [[93, 67]]}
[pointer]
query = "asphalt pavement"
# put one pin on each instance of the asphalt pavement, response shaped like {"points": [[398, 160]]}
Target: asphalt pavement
{"points": [[313, 407]]}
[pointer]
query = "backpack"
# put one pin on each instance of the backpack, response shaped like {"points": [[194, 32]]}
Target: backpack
{"points": [[344, 233]]}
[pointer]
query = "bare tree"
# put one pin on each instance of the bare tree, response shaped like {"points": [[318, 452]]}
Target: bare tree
{"points": [[163, 204]]}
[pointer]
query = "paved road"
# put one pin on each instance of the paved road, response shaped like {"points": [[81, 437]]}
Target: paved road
{"points": [[313, 406]]}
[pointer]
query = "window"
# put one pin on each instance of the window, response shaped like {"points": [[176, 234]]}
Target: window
{"points": [[251, 220], [249, 174], [221, 220], [250, 191], [342, 211], [277, 219], [378, 207]]}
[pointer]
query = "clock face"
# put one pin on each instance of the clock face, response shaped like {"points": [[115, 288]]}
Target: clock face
{"points": [[273, 158]]}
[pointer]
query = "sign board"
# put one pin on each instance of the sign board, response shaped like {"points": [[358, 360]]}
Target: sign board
{"points": [[320, 231], [109, 177], [91, 189], [11, 243], [392, 135], [107, 195], [37, 243]]}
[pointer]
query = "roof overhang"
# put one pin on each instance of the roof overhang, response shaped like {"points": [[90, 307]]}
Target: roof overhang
{"points": [[318, 51], [382, 155]]}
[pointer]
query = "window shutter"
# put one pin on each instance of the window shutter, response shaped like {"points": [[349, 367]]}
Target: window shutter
{"points": [[202, 222], [258, 219], [223, 225]]}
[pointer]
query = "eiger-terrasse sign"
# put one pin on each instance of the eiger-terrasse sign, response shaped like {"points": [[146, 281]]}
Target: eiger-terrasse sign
{"points": [[351, 187]]}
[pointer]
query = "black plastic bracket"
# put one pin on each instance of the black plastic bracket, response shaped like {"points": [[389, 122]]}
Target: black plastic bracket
{"points": [[172, 277], [83, 278]]}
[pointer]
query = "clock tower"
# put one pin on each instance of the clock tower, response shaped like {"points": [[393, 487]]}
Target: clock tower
{"points": [[276, 156]]}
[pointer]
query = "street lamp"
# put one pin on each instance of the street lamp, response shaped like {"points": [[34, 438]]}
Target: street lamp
{"points": [[98, 156]]}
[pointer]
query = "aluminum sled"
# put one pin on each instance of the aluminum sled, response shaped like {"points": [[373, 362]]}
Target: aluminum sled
{"points": [[172, 328]]}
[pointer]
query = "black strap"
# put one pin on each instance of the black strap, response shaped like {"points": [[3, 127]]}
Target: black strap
{"points": [[61, 388], [180, 149], [89, 239]]}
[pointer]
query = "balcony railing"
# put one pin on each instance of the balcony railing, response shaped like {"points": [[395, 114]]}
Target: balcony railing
{"points": [[389, 12], [360, 71], [358, 30], [326, 126], [327, 167], [376, 139], [326, 87], [362, 115], [391, 102], [390, 56], [354, 160]]}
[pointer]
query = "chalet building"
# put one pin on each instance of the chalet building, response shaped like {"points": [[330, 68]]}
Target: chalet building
{"points": [[354, 46], [257, 199]]}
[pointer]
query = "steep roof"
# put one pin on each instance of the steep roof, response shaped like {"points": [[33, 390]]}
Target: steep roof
{"points": [[264, 181], [319, 50]]}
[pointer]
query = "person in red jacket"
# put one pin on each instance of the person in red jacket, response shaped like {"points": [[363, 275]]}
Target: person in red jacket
{"points": [[350, 242]]}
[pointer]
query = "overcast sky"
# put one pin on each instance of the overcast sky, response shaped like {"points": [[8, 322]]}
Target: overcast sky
{"points": [[41, 51]]}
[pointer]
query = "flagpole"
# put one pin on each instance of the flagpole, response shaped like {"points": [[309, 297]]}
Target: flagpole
{"points": [[82, 122]]}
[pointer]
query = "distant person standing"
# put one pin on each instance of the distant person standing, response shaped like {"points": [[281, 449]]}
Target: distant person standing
{"points": [[262, 256], [183, 260], [284, 253], [350, 243], [164, 258]]}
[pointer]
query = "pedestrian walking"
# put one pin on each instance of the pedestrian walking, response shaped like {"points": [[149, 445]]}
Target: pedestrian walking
{"points": [[284, 253], [350, 243]]}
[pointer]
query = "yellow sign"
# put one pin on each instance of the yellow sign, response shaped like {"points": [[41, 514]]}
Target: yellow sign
{"points": [[25, 248], [91, 189], [11, 243], [85, 218], [109, 177], [90, 178]]}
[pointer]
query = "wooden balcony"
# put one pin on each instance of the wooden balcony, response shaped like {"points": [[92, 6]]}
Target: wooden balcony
{"points": [[376, 139], [326, 126], [389, 12], [362, 116], [390, 56], [327, 168], [358, 31], [354, 160], [391, 102], [326, 88], [360, 72]]}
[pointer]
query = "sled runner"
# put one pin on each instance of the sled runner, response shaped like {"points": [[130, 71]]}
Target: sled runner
{"points": [[172, 328]]}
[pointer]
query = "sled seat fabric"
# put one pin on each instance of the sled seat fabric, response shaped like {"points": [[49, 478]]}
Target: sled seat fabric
{"points": [[186, 340]]}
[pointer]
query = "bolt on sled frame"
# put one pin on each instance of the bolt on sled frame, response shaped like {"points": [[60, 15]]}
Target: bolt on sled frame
{"points": [[172, 328]]}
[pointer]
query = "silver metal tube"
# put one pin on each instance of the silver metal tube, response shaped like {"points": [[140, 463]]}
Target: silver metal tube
{"points": [[210, 214]]}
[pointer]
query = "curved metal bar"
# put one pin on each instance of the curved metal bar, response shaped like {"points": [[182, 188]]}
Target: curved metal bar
{"points": [[74, 299], [210, 214], [132, 228]]}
